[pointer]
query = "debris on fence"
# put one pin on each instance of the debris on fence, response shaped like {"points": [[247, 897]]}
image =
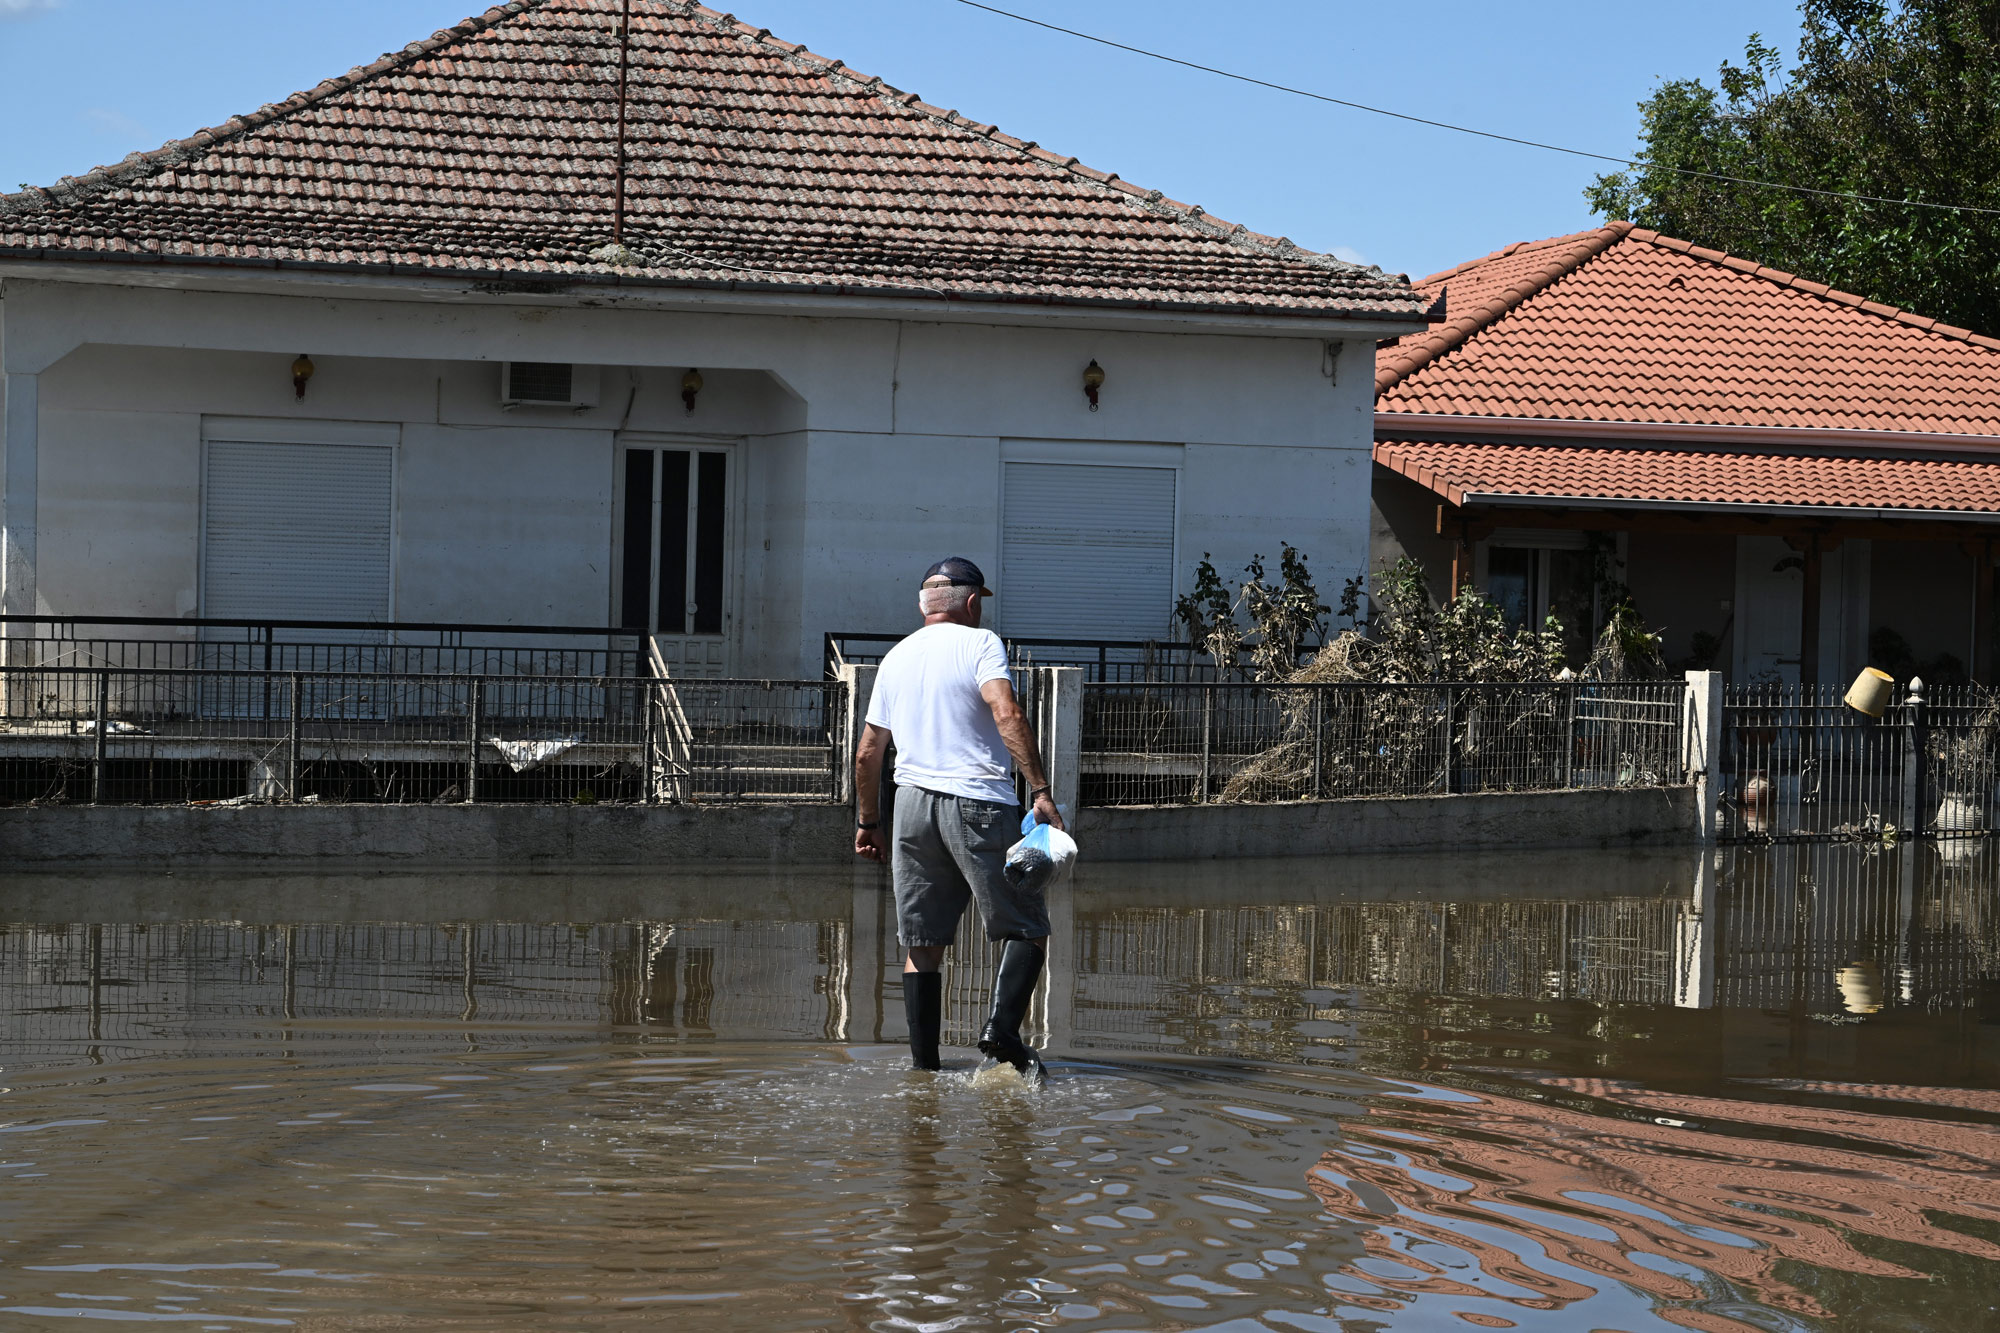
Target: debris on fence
{"points": [[522, 756]]}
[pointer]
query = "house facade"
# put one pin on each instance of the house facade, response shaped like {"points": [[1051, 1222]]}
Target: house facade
{"points": [[559, 319], [1791, 481]]}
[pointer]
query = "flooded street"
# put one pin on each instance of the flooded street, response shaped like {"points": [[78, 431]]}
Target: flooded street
{"points": [[1752, 1089]]}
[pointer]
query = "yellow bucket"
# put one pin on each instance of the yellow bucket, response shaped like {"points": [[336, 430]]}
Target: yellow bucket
{"points": [[1871, 691]]}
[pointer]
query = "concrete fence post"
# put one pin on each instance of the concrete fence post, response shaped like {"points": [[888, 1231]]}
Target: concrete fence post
{"points": [[858, 682], [1062, 750], [1701, 749]]}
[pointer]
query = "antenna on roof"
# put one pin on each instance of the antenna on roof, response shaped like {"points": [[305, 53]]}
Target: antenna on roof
{"points": [[618, 183]]}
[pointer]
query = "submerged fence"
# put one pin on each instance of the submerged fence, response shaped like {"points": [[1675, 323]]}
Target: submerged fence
{"points": [[126, 735], [1800, 765], [1160, 743]]}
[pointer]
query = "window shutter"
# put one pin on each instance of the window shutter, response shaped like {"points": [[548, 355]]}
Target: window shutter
{"points": [[1087, 552], [297, 531]]}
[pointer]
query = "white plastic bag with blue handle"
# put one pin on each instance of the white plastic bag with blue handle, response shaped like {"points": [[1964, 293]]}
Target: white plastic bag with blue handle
{"points": [[1041, 860]]}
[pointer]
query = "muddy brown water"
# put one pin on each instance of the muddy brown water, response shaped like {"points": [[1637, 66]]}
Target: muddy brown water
{"points": [[1756, 1089]]}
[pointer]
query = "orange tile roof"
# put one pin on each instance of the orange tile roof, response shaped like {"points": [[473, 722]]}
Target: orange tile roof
{"points": [[1623, 324], [491, 149], [1514, 471]]}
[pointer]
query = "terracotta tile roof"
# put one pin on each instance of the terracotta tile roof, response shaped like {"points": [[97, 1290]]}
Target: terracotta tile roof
{"points": [[1623, 324], [1512, 471], [491, 149]]}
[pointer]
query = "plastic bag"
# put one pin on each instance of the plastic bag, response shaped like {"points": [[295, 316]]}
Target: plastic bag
{"points": [[1042, 858]]}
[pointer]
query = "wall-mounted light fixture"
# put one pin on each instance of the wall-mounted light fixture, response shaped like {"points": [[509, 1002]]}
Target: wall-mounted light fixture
{"points": [[302, 370], [690, 386], [1093, 380]]}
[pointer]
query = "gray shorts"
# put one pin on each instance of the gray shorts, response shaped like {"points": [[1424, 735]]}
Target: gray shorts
{"points": [[950, 849]]}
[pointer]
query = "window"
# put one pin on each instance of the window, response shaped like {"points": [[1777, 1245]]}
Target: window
{"points": [[1532, 578]]}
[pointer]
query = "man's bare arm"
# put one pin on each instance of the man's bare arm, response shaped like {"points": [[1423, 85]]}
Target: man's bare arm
{"points": [[1020, 739], [868, 757]]}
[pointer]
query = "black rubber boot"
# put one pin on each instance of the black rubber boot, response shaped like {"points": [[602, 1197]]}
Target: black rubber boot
{"points": [[923, 1009], [1013, 988]]}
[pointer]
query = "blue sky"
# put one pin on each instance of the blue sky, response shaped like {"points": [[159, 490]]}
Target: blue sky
{"points": [[84, 82]]}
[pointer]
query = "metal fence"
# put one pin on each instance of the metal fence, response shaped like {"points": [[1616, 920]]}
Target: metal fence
{"points": [[402, 647], [74, 734], [1800, 765], [1157, 744], [1125, 660]]}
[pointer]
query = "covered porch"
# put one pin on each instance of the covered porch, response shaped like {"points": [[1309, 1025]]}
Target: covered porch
{"points": [[1792, 565]]}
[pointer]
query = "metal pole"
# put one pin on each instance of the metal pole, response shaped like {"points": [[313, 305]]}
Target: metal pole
{"points": [[1569, 737], [472, 739], [97, 742], [646, 743], [1318, 738], [1451, 746], [292, 744], [1914, 742], [1207, 742]]}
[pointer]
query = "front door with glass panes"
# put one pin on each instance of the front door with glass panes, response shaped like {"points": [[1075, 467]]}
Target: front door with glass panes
{"points": [[675, 560]]}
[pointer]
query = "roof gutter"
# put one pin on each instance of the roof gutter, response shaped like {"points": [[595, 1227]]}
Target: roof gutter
{"points": [[272, 277], [1505, 500], [1429, 424]]}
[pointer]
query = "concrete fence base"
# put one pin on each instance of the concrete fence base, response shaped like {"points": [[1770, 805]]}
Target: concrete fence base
{"points": [[68, 837]]}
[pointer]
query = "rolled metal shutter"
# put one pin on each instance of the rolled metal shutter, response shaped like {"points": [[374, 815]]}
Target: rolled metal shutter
{"points": [[1087, 551], [297, 531]]}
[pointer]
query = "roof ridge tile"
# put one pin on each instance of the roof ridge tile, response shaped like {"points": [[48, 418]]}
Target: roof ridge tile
{"points": [[1818, 289], [1195, 218], [1427, 347], [175, 151]]}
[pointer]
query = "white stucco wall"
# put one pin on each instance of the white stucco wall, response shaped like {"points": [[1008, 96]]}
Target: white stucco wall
{"points": [[864, 448]]}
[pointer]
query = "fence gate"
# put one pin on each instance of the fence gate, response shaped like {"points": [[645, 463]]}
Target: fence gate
{"points": [[1799, 765]]}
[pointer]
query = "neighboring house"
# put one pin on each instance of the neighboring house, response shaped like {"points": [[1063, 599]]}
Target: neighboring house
{"points": [[1778, 471], [682, 328]]}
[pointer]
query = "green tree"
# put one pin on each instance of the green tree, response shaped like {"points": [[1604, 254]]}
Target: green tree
{"points": [[1898, 102]]}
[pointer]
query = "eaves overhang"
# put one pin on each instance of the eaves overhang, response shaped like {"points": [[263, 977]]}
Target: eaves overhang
{"points": [[635, 291]]}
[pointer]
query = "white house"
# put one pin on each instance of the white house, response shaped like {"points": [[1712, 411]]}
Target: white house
{"points": [[548, 319]]}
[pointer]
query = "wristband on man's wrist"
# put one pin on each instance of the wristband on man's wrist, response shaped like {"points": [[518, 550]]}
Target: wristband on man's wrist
{"points": [[1033, 792], [864, 824]]}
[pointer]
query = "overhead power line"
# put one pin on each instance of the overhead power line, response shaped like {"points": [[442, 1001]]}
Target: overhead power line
{"points": [[1467, 129]]}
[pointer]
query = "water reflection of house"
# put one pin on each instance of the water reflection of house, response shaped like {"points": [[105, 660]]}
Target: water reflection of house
{"points": [[1669, 1193], [670, 325], [1779, 467]]}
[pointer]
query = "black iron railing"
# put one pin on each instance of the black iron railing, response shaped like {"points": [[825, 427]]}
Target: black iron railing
{"points": [[402, 646], [1126, 660], [172, 735]]}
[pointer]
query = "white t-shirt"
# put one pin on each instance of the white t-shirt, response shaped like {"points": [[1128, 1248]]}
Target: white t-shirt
{"points": [[927, 696]]}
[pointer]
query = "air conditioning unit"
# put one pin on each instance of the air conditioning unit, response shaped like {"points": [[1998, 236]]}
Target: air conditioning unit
{"points": [[547, 384]]}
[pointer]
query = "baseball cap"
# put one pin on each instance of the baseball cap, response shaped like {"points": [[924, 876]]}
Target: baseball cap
{"points": [[960, 572]]}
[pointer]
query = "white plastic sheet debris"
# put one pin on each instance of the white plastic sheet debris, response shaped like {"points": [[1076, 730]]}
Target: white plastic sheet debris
{"points": [[524, 755]]}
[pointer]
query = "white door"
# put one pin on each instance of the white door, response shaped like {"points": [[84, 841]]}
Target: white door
{"points": [[677, 561], [1087, 551], [1770, 591]]}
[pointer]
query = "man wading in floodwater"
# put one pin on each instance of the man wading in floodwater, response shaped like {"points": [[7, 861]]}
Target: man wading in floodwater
{"points": [[944, 695]]}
